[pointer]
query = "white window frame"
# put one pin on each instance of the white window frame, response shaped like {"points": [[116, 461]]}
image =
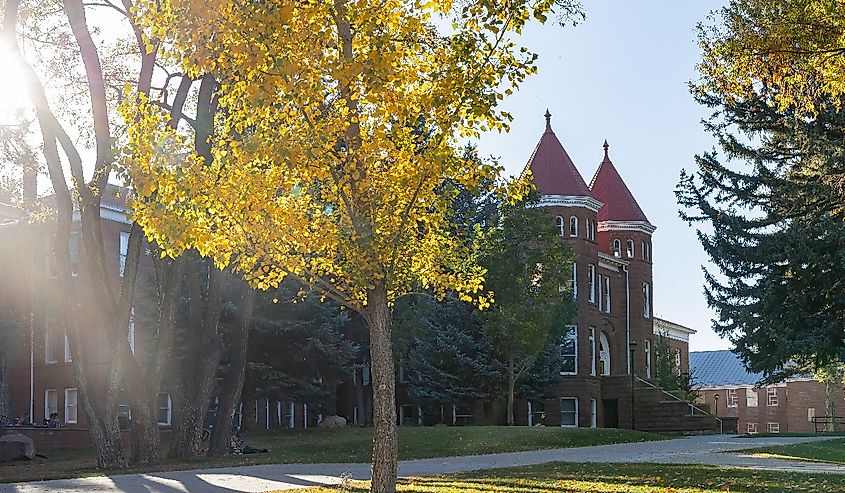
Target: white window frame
{"points": [[573, 226], [561, 225], [646, 300], [771, 396], [607, 294], [811, 414], [617, 248], [751, 397], [591, 283], [751, 429], [599, 294], [68, 406], [68, 356], [772, 427], [648, 358], [169, 420], [47, 328], [123, 251], [47, 410], [130, 336], [593, 358], [575, 399], [629, 248], [732, 397], [593, 413], [574, 280], [571, 332]]}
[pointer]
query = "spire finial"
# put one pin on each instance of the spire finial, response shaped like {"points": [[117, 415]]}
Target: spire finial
{"points": [[605, 145], [548, 120]]}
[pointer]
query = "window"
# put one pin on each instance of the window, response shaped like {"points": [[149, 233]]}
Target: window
{"points": [[574, 281], [593, 413], [51, 402], [68, 357], [53, 343], [811, 414], [131, 331], [569, 411], [569, 351], [617, 247], [573, 226], [750, 397], [164, 408], [559, 224], [124, 249], [751, 428], [123, 409], [607, 294], [648, 358], [403, 378], [73, 249], [630, 250], [771, 396], [773, 427], [733, 399], [365, 374], [592, 351], [678, 362], [646, 300], [591, 283], [592, 230], [71, 407], [600, 297]]}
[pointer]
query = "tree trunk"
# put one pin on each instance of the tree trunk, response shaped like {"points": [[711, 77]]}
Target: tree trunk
{"points": [[511, 385], [830, 402], [4, 385], [145, 441], [385, 443], [230, 393]]}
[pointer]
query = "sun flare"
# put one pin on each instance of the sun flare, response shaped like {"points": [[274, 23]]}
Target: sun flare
{"points": [[13, 95]]}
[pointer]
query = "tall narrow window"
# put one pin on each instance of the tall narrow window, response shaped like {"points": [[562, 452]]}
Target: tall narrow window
{"points": [[569, 411], [73, 249], [131, 332], [591, 283], [569, 351], [165, 407], [71, 408], [617, 248], [646, 300], [51, 403], [573, 226], [607, 294], [574, 281], [53, 340], [648, 358], [593, 351], [124, 249], [560, 225], [600, 297], [771, 396], [630, 249], [733, 398], [68, 357]]}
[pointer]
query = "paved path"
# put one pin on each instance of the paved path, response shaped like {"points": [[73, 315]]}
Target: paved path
{"points": [[712, 450]]}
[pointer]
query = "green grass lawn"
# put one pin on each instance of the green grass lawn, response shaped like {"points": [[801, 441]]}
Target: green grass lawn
{"points": [[613, 478], [824, 451], [342, 445]]}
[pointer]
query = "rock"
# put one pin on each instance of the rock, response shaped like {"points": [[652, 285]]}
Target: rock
{"points": [[16, 447], [333, 422]]}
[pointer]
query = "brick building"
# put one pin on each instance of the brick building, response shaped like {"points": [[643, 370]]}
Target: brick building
{"points": [[728, 389], [614, 331]]}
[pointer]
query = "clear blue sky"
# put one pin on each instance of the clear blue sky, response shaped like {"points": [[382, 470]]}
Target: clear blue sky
{"points": [[622, 75]]}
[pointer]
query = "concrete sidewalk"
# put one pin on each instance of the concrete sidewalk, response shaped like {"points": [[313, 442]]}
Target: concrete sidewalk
{"points": [[710, 450]]}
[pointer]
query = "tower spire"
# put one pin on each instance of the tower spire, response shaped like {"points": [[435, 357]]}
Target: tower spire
{"points": [[548, 120], [605, 145]]}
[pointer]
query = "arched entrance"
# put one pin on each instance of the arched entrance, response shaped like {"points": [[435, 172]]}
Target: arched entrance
{"points": [[604, 355]]}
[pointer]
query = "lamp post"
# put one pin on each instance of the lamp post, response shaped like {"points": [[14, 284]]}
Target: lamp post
{"points": [[633, 346], [716, 404]]}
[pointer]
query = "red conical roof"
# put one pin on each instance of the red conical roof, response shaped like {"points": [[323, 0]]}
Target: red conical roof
{"points": [[552, 169], [608, 187]]}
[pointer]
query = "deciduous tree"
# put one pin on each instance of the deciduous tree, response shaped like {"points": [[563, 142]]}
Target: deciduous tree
{"points": [[341, 123]]}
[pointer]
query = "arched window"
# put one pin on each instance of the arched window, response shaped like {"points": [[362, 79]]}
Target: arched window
{"points": [[559, 223], [604, 355], [573, 226], [630, 251], [617, 248]]}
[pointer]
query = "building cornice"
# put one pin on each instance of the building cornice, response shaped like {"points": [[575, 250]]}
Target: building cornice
{"points": [[611, 262], [638, 226], [583, 201], [672, 330]]}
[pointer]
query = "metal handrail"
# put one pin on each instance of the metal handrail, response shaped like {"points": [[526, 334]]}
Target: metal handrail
{"points": [[692, 406]]}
